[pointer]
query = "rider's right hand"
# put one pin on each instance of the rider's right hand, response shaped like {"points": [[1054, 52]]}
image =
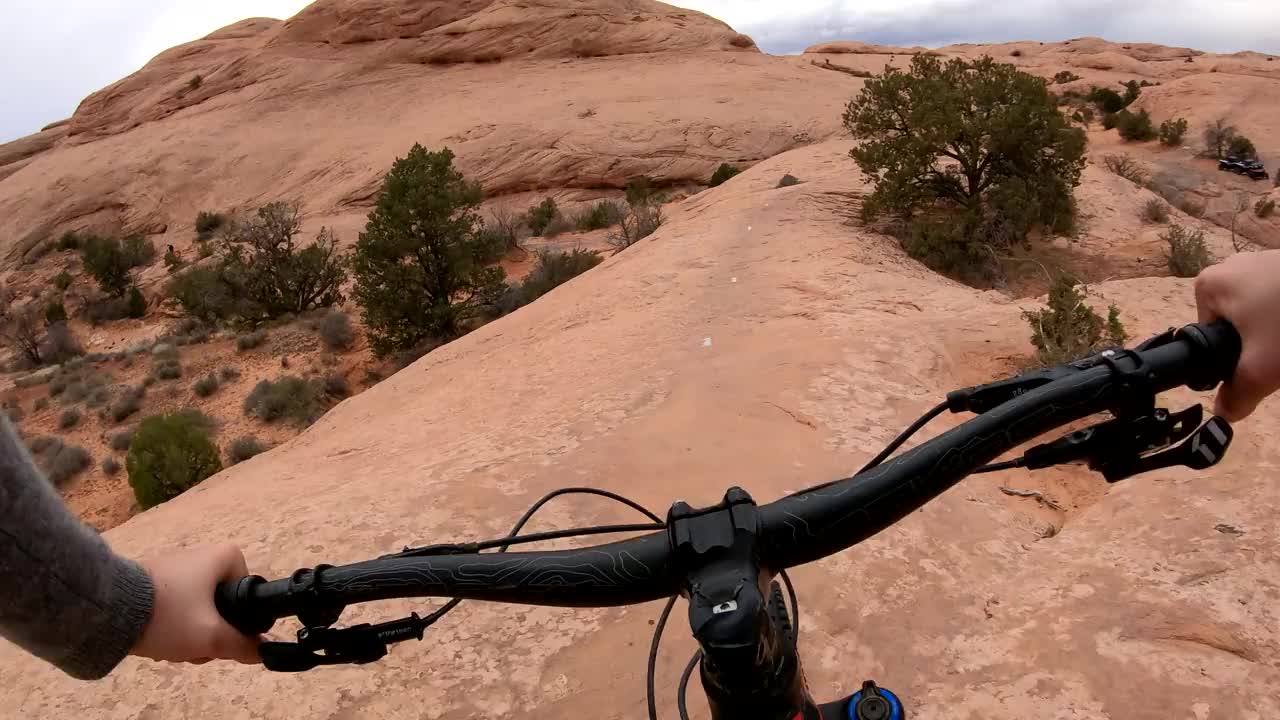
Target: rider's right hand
{"points": [[1245, 290]]}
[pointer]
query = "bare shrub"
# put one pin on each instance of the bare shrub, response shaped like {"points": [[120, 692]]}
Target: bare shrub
{"points": [[509, 225], [1127, 168], [639, 223]]}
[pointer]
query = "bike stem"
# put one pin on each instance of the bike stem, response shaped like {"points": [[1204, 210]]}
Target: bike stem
{"points": [[750, 666]]}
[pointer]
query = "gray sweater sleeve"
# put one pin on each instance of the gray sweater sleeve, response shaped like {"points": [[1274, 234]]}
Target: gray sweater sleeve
{"points": [[64, 596]]}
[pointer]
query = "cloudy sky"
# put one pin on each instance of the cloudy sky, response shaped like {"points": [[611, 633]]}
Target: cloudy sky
{"points": [[52, 54]]}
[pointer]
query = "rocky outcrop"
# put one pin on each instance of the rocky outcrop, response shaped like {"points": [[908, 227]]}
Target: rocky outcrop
{"points": [[365, 35], [18, 154], [531, 95], [486, 31], [849, 47]]}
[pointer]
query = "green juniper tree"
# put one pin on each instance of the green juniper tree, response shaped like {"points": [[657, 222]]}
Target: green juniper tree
{"points": [[420, 273], [981, 142]]}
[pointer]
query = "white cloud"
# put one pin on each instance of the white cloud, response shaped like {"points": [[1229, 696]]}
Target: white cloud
{"points": [[54, 54], [1215, 25]]}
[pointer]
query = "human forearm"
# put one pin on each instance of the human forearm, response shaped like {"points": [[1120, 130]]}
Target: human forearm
{"points": [[64, 596]]}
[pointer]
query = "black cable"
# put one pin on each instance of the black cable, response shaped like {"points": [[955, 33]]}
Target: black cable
{"points": [[795, 606], [684, 685], [997, 467], [581, 491], [682, 690], [514, 537], [904, 436], [504, 543], [653, 657], [888, 450]]}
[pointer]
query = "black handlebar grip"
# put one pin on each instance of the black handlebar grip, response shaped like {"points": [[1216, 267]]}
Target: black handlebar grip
{"points": [[1216, 350], [234, 600]]}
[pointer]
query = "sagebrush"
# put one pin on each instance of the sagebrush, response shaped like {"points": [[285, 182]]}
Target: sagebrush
{"points": [[59, 461], [127, 404], [250, 340], [336, 331], [550, 270], [1221, 139], [69, 419], [1155, 211], [121, 440], [206, 386], [243, 448], [600, 214], [290, 397], [1187, 253]]}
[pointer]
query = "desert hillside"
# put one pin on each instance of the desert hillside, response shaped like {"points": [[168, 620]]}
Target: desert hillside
{"points": [[761, 337]]}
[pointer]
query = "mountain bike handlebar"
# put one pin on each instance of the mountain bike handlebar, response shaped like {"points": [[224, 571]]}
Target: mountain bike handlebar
{"points": [[792, 531]]}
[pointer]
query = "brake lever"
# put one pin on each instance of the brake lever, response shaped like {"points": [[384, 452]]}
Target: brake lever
{"points": [[356, 645]]}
